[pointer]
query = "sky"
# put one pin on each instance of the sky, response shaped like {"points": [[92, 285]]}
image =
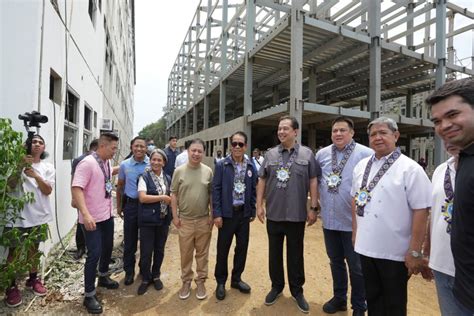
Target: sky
{"points": [[160, 28]]}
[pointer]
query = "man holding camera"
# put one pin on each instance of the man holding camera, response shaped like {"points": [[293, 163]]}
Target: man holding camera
{"points": [[38, 177]]}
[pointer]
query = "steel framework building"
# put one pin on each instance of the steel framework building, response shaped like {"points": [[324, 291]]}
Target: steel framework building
{"points": [[243, 65]]}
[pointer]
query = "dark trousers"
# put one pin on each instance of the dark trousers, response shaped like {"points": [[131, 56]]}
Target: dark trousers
{"points": [[99, 244], [239, 226], [340, 250], [294, 233], [386, 286], [80, 238], [152, 245], [130, 236]]}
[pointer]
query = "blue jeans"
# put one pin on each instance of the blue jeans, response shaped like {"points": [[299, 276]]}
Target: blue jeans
{"points": [[99, 243], [130, 236], [448, 304], [339, 249]]}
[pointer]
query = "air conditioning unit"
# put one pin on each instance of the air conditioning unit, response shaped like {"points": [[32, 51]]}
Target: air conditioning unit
{"points": [[107, 124]]}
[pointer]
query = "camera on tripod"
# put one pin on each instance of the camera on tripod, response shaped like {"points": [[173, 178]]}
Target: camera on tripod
{"points": [[32, 119]]}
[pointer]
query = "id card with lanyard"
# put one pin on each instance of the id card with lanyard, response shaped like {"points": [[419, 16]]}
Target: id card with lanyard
{"points": [[107, 175]]}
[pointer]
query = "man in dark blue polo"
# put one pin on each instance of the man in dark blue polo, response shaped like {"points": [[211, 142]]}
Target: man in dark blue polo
{"points": [[130, 169], [171, 153], [233, 203]]}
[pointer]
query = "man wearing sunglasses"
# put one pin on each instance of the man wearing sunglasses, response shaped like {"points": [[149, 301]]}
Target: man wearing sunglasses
{"points": [[288, 172], [233, 202]]}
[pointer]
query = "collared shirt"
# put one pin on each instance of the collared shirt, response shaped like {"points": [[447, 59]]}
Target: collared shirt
{"points": [[462, 229], [384, 232], [441, 258], [290, 203], [257, 162], [142, 184], [181, 159], [130, 170], [90, 178], [170, 160], [336, 207]]}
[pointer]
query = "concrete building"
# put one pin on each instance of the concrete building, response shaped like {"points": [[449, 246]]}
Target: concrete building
{"points": [[73, 61], [243, 64]]}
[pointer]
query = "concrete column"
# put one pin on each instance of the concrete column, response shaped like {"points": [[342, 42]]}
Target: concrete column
{"points": [[296, 63], [375, 60], [312, 86], [195, 118], [409, 38], [207, 69], [275, 95], [312, 137], [250, 39], [409, 103], [186, 124]]}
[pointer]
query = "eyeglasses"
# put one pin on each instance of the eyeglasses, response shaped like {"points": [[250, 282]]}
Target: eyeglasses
{"points": [[240, 144]]}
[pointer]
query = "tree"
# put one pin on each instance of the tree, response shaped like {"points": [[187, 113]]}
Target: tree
{"points": [[12, 201], [156, 131]]}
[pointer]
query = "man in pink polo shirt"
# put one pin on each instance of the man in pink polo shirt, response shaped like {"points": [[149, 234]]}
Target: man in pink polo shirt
{"points": [[92, 191]]}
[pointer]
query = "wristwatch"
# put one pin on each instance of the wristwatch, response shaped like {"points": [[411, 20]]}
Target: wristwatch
{"points": [[416, 254]]}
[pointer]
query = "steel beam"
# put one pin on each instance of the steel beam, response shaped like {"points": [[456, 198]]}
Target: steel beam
{"points": [[439, 153], [375, 60]]}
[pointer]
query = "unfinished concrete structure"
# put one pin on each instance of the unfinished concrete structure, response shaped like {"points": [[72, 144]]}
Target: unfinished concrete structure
{"points": [[243, 65]]}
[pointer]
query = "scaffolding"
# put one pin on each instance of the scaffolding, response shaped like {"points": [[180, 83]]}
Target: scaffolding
{"points": [[244, 64]]}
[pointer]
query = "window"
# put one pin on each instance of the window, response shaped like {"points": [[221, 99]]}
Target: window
{"points": [[87, 117], [70, 126], [87, 138], [55, 84], [95, 119], [70, 113]]}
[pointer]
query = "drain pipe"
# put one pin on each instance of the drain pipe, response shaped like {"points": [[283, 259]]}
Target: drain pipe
{"points": [[41, 59]]}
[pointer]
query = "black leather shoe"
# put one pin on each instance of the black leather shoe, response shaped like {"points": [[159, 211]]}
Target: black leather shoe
{"points": [[92, 305], [128, 279], [272, 296], [107, 282], [358, 312], [334, 305], [220, 292], [158, 284], [303, 305], [143, 288], [241, 286], [79, 253]]}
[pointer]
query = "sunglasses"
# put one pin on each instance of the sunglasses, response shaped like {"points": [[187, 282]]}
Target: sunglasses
{"points": [[240, 144]]}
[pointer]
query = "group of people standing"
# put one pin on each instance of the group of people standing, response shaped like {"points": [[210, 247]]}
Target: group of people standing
{"points": [[374, 203]]}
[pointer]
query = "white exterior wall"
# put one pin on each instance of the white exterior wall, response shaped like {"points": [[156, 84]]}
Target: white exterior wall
{"points": [[22, 57]]}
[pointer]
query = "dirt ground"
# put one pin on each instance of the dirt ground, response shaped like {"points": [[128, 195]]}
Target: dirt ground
{"points": [[317, 289]]}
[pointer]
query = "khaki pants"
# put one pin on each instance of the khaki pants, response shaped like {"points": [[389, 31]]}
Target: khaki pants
{"points": [[194, 234]]}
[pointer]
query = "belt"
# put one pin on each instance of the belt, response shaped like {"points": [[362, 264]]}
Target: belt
{"points": [[130, 200], [238, 208]]}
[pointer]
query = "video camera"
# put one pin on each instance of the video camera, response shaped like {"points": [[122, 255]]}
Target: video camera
{"points": [[32, 119]]}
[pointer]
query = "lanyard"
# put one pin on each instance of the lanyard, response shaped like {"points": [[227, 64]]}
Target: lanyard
{"points": [[108, 183], [337, 168], [363, 196], [447, 207]]}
